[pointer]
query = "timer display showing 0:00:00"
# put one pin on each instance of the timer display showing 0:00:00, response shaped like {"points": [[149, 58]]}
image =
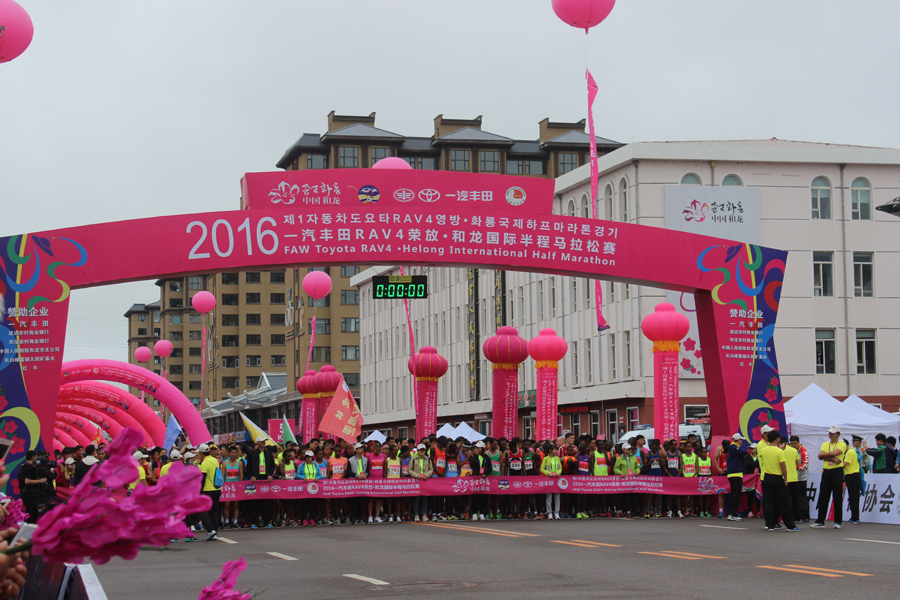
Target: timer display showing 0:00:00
{"points": [[400, 290]]}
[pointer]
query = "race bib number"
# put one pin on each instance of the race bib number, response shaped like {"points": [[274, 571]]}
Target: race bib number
{"points": [[394, 470], [441, 463], [451, 468], [339, 469], [630, 472], [689, 468], [673, 463], [289, 475], [583, 466], [515, 464], [529, 465], [495, 466], [405, 470], [654, 464]]}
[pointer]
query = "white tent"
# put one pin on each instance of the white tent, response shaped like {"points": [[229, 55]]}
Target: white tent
{"points": [[859, 404], [377, 436], [816, 411], [465, 431], [447, 430]]}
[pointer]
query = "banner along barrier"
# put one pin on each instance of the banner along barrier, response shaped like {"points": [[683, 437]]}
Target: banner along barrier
{"points": [[464, 486]]}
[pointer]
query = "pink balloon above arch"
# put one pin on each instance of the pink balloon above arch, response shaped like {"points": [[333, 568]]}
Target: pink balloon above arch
{"points": [[65, 438], [203, 302], [583, 14], [151, 383], [100, 419], [74, 431], [146, 418], [163, 348], [392, 162], [143, 354], [317, 284], [16, 30]]}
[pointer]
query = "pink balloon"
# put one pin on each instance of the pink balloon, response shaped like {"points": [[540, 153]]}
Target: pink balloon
{"points": [[583, 14], [16, 30], [203, 302], [163, 348], [317, 284], [392, 162], [143, 354]]}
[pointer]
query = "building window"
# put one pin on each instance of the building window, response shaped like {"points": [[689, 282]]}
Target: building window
{"points": [[861, 200], [525, 167], [612, 356], [194, 335], [194, 369], [623, 200], [633, 418], [142, 331], [195, 352], [277, 360], [573, 210], [417, 162], [229, 320], [691, 179], [529, 427], [595, 424], [155, 332], [253, 360], [229, 278], [253, 319], [176, 286], [349, 325], [176, 369], [821, 198], [195, 319], [575, 373], [321, 354], [253, 277], [230, 300], [865, 351], [276, 319], [568, 161], [627, 354], [142, 318], [553, 296], [176, 303], [862, 274], [276, 339], [376, 154], [352, 379], [253, 381], [612, 292], [254, 339], [195, 283], [349, 271], [276, 298], [276, 277], [349, 157], [589, 371], [230, 341], [320, 269], [541, 299], [612, 425], [459, 160], [323, 326], [176, 320], [194, 385], [823, 274], [349, 352], [732, 180], [825, 348], [490, 161], [177, 353], [349, 296], [326, 301], [316, 161]]}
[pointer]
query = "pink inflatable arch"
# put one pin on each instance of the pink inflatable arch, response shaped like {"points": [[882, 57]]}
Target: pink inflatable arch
{"points": [[153, 384], [100, 419], [64, 438], [74, 431], [108, 412], [76, 393], [57, 445]]}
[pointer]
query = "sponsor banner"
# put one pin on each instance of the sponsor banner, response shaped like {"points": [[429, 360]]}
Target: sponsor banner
{"points": [[879, 503], [666, 395], [275, 431], [441, 486]]}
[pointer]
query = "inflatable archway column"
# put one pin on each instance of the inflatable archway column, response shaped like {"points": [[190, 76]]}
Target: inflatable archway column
{"points": [[111, 427], [74, 432], [64, 438], [57, 445], [149, 382], [107, 411], [122, 400]]}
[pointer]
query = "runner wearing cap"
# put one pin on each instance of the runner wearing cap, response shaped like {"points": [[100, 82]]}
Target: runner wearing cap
{"points": [[66, 477], [734, 468], [628, 465], [358, 466], [478, 467], [376, 471], [421, 467], [394, 471], [142, 474], [261, 466], [337, 469], [772, 463], [832, 486], [308, 471], [551, 467], [212, 488]]}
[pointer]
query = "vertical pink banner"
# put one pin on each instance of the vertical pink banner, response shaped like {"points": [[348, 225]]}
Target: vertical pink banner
{"points": [[426, 417], [309, 416], [666, 395], [547, 401], [412, 346], [505, 403], [202, 365], [595, 176], [324, 403]]}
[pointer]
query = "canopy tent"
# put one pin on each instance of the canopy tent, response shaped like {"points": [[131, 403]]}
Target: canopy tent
{"points": [[447, 430], [376, 436], [465, 431], [815, 411], [859, 404]]}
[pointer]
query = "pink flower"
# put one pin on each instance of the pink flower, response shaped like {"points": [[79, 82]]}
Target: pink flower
{"points": [[3, 402], [690, 344], [763, 418], [693, 369], [18, 446], [685, 364], [697, 354], [15, 517], [773, 381], [91, 524], [10, 427], [223, 587], [771, 395]]}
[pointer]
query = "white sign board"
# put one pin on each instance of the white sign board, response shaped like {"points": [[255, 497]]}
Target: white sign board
{"points": [[880, 503]]}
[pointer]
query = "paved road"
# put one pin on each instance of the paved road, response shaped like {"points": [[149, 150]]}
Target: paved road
{"points": [[684, 559]]}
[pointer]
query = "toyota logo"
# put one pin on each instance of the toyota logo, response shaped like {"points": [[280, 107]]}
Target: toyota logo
{"points": [[404, 195], [429, 195]]}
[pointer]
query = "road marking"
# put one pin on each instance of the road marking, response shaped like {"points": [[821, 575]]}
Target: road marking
{"points": [[572, 544], [670, 555], [798, 571], [873, 541], [689, 554], [226, 540], [281, 556], [475, 529], [832, 571], [366, 579], [599, 543], [462, 525], [724, 527]]}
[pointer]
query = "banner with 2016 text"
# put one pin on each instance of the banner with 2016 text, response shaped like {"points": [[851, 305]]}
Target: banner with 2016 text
{"points": [[462, 486]]}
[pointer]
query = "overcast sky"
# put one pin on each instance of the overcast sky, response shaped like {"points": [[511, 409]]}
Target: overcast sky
{"points": [[123, 110]]}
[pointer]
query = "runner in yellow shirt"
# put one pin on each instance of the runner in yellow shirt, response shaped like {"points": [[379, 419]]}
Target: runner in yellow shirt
{"points": [[212, 486], [831, 454], [174, 456], [852, 479], [142, 474]]}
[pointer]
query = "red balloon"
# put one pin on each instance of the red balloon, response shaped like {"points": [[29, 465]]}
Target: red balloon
{"points": [[583, 14], [16, 30], [665, 324]]}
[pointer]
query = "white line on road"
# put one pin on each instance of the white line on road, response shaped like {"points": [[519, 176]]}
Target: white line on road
{"points": [[281, 556], [724, 527], [366, 579], [226, 540], [873, 541]]}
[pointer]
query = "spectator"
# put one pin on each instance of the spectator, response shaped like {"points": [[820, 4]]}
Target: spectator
{"points": [[31, 486], [420, 467], [86, 463], [735, 470]]}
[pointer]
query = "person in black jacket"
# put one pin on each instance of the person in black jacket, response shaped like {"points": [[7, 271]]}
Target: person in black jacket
{"points": [[85, 464], [261, 465], [480, 468]]}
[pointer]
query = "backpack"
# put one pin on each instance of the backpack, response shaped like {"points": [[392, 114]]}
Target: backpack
{"points": [[219, 480]]}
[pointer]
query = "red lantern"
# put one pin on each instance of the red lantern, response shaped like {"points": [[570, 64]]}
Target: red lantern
{"points": [[665, 327], [309, 406], [428, 367], [547, 349], [507, 350]]}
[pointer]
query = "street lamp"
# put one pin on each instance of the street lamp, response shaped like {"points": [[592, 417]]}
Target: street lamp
{"points": [[892, 207]]}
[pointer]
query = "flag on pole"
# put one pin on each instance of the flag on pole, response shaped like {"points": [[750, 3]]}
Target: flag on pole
{"points": [[287, 434], [255, 431], [342, 419], [98, 438], [173, 429]]}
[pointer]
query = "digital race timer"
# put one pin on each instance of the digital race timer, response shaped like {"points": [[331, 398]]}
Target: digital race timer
{"points": [[400, 286]]}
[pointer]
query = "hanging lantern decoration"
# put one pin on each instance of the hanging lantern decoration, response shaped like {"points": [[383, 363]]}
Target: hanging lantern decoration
{"points": [[547, 349], [665, 327], [309, 405], [507, 350], [427, 367]]}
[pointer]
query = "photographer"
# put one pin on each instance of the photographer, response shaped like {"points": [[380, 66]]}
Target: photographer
{"points": [[31, 485]]}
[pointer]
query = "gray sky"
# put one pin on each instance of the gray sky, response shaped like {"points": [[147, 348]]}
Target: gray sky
{"points": [[124, 110]]}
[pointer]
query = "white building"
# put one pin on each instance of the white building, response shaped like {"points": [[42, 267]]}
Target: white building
{"points": [[838, 323]]}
